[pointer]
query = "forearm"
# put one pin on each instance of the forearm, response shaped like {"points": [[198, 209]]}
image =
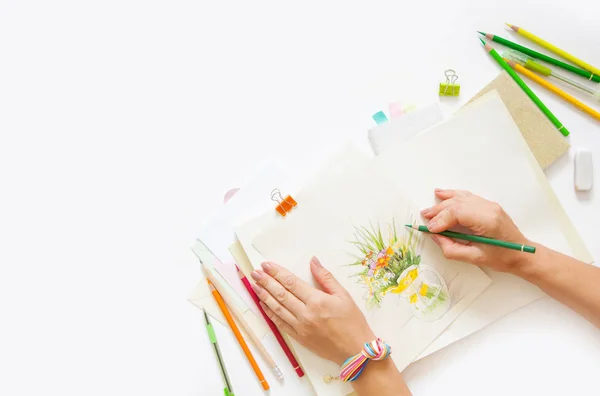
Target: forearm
{"points": [[568, 280], [381, 379]]}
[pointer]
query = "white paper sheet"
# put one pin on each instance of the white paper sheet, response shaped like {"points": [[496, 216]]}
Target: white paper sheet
{"points": [[251, 200], [348, 156], [323, 224], [481, 149]]}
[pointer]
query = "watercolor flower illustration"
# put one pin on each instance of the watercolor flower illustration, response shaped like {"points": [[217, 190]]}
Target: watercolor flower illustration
{"points": [[393, 266]]}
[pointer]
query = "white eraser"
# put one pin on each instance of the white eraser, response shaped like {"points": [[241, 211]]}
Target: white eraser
{"points": [[584, 171]]}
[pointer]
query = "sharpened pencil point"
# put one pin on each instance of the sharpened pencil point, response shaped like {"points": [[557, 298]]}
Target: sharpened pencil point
{"points": [[482, 42], [483, 34], [277, 372]]}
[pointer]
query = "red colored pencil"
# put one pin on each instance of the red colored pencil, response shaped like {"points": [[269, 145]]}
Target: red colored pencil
{"points": [[274, 329]]}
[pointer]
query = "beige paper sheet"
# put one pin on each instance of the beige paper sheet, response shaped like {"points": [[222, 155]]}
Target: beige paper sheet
{"points": [[241, 258], [544, 140]]}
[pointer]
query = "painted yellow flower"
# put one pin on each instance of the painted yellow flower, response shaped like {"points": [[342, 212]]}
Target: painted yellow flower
{"points": [[413, 299], [402, 285], [389, 251], [413, 274], [423, 290]]}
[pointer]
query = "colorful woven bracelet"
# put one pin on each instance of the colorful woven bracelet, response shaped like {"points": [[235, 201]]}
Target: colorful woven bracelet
{"points": [[354, 366]]}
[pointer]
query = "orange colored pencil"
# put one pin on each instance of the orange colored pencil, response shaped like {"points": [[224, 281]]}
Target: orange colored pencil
{"points": [[238, 335]]}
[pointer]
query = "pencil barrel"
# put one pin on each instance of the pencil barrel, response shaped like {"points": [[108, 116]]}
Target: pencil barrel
{"points": [[529, 93], [534, 54]]}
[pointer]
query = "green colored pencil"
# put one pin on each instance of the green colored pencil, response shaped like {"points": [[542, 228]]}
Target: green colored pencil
{"points": [[525, 88], [534, 54], [478, 239], [228, 390]]}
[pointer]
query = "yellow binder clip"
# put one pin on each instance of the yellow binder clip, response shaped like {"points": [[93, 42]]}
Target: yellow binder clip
{"points": [[450, 87]]}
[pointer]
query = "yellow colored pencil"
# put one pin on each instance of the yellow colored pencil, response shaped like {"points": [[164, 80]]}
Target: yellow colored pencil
{"points": [[550, 47], [554, 89]]}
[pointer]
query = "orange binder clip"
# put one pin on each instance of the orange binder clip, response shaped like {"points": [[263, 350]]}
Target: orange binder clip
{"points": [[284, 205]]}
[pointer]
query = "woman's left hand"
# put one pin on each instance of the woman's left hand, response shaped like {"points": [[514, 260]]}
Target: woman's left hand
{"points": [[326, 321]]}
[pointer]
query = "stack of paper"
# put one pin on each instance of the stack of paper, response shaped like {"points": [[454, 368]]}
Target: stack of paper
{"points": [[479, 149]]}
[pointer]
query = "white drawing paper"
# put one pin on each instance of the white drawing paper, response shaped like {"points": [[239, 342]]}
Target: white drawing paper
{"points": [[481, 150], [325, 224]]}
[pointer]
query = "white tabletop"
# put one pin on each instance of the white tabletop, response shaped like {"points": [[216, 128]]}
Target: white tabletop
{"points": [[124, 122]]}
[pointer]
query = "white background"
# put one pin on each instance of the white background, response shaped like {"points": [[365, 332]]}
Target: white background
{"points": [[124, 122]]}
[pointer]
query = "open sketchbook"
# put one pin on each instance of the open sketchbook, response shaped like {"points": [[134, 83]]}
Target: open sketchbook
{"points": [[354, 222]]}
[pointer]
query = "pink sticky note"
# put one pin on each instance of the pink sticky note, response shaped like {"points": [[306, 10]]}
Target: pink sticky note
{"points": [[396, 110]]}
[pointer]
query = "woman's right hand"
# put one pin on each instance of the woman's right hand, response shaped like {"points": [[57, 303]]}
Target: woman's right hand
{"points": [[481, 217]]}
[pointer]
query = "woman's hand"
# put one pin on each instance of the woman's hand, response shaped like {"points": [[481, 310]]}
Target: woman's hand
{"points": [[326, 321], [481, 217]]}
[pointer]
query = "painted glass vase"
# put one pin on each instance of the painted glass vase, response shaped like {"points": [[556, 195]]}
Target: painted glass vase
{"points": [[425, 291]]}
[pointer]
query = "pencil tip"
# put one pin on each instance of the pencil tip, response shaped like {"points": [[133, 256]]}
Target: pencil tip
{"points": [[277, 372], [482, 42], [508, 24], [408, 225], [483, 34]]}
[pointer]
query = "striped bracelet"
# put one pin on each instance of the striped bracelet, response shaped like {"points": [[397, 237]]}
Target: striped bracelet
{"points": [[354, 366]]}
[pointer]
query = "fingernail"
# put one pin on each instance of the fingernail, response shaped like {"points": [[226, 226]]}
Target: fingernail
{"points": [[256, 275], [425, 211], [266, 266], [437, 190], [431, 225], [315, 261], [257, 289]]}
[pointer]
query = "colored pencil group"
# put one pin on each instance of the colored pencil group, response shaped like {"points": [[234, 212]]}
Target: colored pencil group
{"points": [[552, 48], [538, 55], [515, 64], [562, 129], [554, 89], [238, 335], [227, 307]]}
